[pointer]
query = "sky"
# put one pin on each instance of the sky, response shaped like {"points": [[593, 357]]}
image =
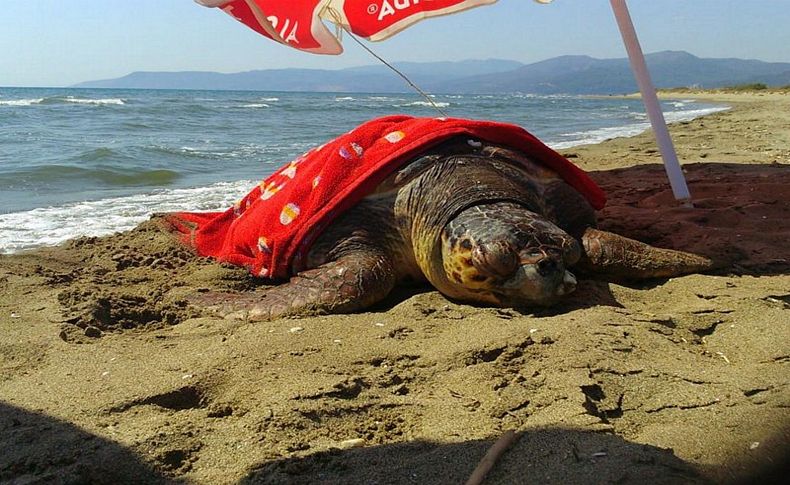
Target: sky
{"points": [[63, 42]]}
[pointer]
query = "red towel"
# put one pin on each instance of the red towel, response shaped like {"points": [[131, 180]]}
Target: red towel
{"points": [[271, 229]]}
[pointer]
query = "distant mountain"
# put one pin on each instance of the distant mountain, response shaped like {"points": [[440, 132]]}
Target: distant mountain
{"points": [[559, 75], [587, 75], [355, 79]]}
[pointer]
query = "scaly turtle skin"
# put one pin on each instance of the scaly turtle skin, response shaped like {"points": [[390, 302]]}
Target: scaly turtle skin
{"points": [[481, 223]]}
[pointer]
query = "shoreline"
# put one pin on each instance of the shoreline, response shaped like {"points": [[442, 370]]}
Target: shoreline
{"points": [[698, 140], [106, 373]]}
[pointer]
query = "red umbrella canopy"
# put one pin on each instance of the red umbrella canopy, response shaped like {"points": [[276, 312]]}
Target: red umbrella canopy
{"points": [[298, 23]]}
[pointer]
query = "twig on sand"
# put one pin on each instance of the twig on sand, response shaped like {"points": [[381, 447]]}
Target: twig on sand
{"points": [[492, 455]]}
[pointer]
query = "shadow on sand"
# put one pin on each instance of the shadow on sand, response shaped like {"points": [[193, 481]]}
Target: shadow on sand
{"points": [[740, 219], [35, 448], [539, 456]]}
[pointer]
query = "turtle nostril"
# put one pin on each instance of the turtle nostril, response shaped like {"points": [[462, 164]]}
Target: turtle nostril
{"points": [[568, 284], [546, 266]]}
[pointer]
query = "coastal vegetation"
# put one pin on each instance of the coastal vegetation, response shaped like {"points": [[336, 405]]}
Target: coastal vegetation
{"points": [[736, 88]]}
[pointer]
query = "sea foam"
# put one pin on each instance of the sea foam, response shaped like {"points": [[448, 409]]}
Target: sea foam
{"points": [[47, 226], [590, 137], [440, 104], [60, 100], [20, 102], [115, 101]]}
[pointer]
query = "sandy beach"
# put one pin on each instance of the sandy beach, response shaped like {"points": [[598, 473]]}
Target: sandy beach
{"points": [[107, 376]]}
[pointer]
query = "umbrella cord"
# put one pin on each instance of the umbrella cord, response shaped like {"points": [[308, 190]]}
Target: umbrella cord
{"points": [[381, 59]]}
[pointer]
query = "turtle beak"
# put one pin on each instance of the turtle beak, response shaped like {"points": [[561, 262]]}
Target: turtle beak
{"points": [[529, 287], [568, 284]]}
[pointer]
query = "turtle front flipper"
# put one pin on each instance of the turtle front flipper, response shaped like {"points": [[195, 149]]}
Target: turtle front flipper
{"points": [[350, 283], [611, 255]]}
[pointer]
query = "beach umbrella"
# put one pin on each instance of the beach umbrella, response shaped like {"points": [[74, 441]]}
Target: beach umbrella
{"points": [[302, 24]]}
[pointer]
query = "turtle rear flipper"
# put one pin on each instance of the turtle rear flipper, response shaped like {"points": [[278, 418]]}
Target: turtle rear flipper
{"points": [[353, 282], [618, 257]]}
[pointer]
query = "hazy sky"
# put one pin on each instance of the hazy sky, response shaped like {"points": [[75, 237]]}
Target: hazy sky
{"points": [[62, 42]]}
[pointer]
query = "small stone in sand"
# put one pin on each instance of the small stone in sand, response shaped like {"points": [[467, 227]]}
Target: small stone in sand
{"points": [[352, 443], [296, 329]]}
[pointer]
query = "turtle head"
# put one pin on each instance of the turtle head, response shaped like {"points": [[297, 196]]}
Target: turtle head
{"points": [[503, 254]]}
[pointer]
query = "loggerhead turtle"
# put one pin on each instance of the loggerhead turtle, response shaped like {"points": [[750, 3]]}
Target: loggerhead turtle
{"points": [[482, 223]]}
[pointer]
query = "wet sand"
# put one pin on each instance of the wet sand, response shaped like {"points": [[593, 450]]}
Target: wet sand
{"points": [[106, 375]]}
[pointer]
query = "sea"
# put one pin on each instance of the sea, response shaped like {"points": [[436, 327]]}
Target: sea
{"points": [[89, 162]]}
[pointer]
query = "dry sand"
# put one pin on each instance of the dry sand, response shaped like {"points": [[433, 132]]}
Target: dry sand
{"points": [[106, 376]]}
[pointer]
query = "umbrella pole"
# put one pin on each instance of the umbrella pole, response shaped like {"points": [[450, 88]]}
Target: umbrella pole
{"points": [[650, 100]]}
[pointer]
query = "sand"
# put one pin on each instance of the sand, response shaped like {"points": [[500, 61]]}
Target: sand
{"points": [[107, 376]]}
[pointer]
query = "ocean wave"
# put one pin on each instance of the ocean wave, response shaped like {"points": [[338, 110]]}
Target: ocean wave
{"points": [[61, 100], [97, 154], [690, 114], [76, 100], [182, 108], [137, 125], [186, 152], [128, 177], [20, 102], [255, 105], [122, 177], [344, 98], [440, 104], [115, 101], [590, 137], [48, 226], [279, 152], [601, 134]]}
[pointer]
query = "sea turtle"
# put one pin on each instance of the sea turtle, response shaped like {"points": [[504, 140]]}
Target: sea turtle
{"points": [[482, 223]]}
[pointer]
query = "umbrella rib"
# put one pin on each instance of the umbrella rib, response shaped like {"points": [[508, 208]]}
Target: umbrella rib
{"points": [[339, 23]]}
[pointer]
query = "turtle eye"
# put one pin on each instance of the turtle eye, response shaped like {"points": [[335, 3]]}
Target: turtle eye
{"points": [[496, 259], [546, 266], [532, 256]]}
